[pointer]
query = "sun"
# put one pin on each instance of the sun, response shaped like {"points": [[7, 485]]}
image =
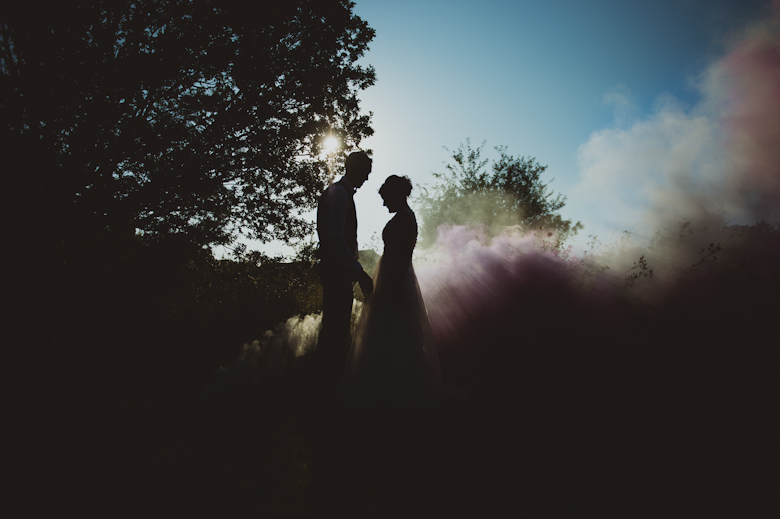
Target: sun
{"points": [[330, 145]]}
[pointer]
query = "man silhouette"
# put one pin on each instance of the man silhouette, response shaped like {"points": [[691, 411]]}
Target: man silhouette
{"points": [[339, 266]]}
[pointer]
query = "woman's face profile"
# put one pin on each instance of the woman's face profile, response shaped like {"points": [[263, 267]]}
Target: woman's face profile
{"points": [[391, 202]]}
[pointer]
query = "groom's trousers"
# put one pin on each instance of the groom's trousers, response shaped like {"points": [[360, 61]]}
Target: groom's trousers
{"points": [[335, 335]]}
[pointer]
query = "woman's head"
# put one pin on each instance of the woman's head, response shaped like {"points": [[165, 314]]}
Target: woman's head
{"points": [[394, 192]]}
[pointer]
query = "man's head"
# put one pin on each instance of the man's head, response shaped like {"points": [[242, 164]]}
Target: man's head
{"points": [[358, 167]]}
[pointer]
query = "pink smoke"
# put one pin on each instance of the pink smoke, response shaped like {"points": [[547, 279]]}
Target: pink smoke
{"points": [[478, 279], [752, 118], [525, 293]]}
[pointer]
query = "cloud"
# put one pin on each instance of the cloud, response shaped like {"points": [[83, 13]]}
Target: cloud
{"points": [[648, 166], [752, 116], [720, 156]]}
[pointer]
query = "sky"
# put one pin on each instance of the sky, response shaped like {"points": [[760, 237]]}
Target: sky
{"points": [[612, 96]]}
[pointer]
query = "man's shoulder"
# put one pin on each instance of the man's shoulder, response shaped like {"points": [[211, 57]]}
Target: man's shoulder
{"points": [[337, 191], [338, 186]]}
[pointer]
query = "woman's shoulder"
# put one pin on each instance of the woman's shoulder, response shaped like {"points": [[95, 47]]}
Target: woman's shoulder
{"points": [[406, 216], [403, 223]]}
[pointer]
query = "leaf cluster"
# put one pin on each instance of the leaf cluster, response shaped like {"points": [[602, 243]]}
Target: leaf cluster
{"points": [[194, 117], [510, 192]]}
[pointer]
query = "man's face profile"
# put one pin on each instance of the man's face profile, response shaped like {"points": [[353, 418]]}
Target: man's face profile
{"points": [[361, 176]]}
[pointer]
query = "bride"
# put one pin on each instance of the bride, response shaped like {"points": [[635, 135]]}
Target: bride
{"points": [[393, 352]]}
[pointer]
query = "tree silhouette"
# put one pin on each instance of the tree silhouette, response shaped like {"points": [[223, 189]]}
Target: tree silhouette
{"points": [[511, 193], [190, 117]]}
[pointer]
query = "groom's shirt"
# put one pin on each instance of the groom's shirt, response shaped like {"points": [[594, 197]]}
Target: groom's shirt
{"points": [[337, 228]]}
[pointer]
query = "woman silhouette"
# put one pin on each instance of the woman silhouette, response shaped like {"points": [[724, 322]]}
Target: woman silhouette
{"points": [[393, 352]]}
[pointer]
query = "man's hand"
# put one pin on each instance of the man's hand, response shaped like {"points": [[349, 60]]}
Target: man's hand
{"points": [[366, 283]]}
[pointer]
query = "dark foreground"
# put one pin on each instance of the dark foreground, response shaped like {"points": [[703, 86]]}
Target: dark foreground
{"points": [[577, 438], [568, 405]]}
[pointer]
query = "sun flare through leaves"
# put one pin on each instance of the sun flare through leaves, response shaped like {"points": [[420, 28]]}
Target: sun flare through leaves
{"points": [[330, 145]]}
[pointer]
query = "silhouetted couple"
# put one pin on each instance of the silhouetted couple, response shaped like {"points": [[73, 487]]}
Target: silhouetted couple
{"points": [[392, 352]]}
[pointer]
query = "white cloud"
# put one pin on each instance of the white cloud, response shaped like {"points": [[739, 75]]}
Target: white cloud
{"points": [[659, 169], [696, 163]]}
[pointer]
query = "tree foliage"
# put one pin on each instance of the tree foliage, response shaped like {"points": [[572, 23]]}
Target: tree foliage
{"points": [[189, 117], [510, 193]]}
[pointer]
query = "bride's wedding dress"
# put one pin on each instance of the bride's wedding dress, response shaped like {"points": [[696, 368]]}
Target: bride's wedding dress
{"points": [[393, 352]]}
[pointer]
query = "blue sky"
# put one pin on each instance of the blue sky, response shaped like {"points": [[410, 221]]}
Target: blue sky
{"points": [[541, 77]]}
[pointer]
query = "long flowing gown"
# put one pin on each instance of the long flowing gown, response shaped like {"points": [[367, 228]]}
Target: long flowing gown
{"points": [[393, 351]]}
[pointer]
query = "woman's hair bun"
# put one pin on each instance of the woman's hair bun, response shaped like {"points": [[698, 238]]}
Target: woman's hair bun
{"points": [[397, 185]]}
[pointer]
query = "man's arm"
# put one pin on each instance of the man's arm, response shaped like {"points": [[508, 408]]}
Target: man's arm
{"points": [[337, 245]]}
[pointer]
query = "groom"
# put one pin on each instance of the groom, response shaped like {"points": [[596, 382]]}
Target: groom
{"points": [[339, 267]]}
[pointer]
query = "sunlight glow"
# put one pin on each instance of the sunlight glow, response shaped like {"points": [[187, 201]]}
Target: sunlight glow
{"points": [[330, 145]]}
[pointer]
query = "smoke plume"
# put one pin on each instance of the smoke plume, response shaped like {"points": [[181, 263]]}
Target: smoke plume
{"points": [[696, 186], [719, 157]]}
